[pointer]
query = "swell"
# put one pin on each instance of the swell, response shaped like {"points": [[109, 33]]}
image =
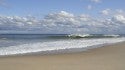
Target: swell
{"points": [[57, 36]]}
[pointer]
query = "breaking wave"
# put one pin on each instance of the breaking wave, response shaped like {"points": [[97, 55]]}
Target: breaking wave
{"points": [[62, 46], [92, 36]]}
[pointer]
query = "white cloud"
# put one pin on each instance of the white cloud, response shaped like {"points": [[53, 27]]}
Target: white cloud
{"points": [[120, 11], [63, 22], [96, 1], [89, 7], [119, 18], [105, 12]]}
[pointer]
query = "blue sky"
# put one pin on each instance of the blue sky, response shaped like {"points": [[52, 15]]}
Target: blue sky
{"points": [[43, 7], [62, 16]]}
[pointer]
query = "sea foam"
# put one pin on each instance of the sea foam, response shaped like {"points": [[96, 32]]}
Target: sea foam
{"points": [[60, 45]]}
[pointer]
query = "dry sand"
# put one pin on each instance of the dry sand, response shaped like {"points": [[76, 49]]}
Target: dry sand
{"points": [[105, 58]]}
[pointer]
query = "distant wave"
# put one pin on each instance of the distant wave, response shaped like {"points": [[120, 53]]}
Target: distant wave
{"points": [[112, 35], [58, 36], [92, 36], [79, 35]]}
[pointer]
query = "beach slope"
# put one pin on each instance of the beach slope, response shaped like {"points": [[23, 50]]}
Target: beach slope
{"points": [[110, 57]]}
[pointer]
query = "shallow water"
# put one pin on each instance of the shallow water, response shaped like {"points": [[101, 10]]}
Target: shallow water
{"points": [[13, 44]]}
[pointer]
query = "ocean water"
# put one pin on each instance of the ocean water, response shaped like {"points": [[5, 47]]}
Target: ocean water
{"points": [[18, 44]]}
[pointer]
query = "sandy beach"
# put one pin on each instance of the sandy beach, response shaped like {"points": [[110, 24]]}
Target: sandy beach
{"points": [[110, 57]]}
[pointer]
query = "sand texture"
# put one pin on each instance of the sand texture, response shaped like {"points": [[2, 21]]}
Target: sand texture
{"points": [[105, 58]]}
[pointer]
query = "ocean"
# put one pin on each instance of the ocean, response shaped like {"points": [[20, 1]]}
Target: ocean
{"points": [[21, 44]]}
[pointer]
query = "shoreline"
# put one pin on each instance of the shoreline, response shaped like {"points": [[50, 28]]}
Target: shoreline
{"points": [[110, 57], [61, 51]]}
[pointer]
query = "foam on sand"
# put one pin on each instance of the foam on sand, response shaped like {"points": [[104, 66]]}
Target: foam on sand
{"points": [[58, 45]]}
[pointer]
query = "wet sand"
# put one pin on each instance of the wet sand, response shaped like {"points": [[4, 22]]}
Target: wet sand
{"points": [[110, 57]]}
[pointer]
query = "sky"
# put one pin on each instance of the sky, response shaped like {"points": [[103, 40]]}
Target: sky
{"points": [[62, 16], [43, 7]]}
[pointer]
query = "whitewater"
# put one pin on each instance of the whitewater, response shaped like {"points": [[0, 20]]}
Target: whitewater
{"points": [[47, 44]]}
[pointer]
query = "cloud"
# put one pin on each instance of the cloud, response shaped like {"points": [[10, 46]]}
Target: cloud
{"points": [[120, 11], [119, 18], [105, 12], [96, 1], [63, 22], [89, 7]]}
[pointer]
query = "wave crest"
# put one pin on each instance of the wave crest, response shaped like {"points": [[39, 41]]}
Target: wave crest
{"points": [[92, 36]]}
